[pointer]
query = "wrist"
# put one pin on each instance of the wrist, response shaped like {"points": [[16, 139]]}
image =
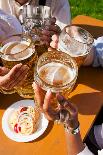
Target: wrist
{"points": [[74, 130], [73, 123]]}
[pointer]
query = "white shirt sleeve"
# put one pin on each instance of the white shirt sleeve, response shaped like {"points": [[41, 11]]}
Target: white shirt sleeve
{"points": [[61, 10], [86, 151], [100, 152]]}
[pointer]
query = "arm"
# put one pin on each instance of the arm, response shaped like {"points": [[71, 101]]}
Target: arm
{"points": [[61, 10], [67, 113], [74, 143]]}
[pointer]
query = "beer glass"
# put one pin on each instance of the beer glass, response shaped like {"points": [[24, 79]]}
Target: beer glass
{"points": [[76, 42], [35, 19], [21, 51], [56, 71]]}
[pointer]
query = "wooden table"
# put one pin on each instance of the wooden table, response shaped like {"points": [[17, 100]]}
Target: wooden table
{"points": [[87, 95]]}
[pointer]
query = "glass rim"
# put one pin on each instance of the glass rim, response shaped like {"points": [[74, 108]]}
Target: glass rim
{"points": [[91, 36], [17, 35], [33, 8]]}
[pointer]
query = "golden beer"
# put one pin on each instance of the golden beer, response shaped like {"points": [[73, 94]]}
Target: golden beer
{"points": [[21, 52], [77, 42], [56, 71]]}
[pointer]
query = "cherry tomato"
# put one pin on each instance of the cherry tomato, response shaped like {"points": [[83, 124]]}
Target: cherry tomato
{"points": [[23, 109], [17, 128]]}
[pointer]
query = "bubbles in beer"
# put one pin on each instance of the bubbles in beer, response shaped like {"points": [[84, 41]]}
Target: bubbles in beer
{"points": [[74, 49], [56, 74]]}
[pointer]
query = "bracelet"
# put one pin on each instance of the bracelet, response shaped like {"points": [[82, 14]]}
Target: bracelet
{"points": [[73, 131]]}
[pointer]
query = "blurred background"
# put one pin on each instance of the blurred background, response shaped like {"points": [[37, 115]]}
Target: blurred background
{"points": [[93, 8]]}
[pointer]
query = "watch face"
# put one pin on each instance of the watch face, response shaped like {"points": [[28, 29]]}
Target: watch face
{"points": [[73, 131]]}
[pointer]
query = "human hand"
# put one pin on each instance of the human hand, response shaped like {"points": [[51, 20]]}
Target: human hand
{"points": [[14, 77], [49, 31], [66, 112], [44, 103], [54, 42]]}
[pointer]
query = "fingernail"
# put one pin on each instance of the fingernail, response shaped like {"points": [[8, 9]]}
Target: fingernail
{"points": [[60, 98], [34, 85], [48, 91], [20, 64]]}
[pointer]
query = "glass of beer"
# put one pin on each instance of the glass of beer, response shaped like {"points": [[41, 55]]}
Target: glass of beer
{"points": [[76, 42], [21, 51], [56, 71], [35, 19]]}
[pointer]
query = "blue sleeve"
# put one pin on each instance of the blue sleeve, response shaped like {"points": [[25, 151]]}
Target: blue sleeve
{"points": [[98, 52]]}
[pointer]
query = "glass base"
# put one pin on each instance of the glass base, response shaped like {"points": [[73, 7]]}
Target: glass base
{"points": [[25, 92]]}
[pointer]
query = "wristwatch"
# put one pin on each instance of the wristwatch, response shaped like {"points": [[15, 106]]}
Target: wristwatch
{"points": [[73, 131]]}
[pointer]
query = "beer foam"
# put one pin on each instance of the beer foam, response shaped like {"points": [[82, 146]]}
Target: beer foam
{"points": [[56, 74], [17, 50]]}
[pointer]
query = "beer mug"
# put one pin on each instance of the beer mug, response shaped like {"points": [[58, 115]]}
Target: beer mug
{"points": [[21, 51], [76, 42], [56, 71], [35, 19]]}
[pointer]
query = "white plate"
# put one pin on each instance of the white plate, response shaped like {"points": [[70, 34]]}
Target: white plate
{"points": [[17, 137]]}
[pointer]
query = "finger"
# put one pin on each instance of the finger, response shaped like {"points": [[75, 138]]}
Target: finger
{"points": [[3, 71], [55, 38], [13, 71], [66, 104], [39, 94], [55, 28], [53, 20], [19, 80], [19, 76], [63, 115], [45, 43], [50, 49], [47, 100], [14, 75], [54, 45], [47, 109], [71, 108], [46, 38], [46, 32], [24, 68]]}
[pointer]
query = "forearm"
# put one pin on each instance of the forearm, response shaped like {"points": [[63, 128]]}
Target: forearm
{"points": [[74, 143]]}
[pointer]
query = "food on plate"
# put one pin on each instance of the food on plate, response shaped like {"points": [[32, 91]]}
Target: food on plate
{"points": [[25, 120]]}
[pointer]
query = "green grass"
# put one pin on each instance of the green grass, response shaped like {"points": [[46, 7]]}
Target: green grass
{"points": [[93, 8]]}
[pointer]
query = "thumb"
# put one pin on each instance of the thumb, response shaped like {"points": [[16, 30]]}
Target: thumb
{"points": [[3, 71]]}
